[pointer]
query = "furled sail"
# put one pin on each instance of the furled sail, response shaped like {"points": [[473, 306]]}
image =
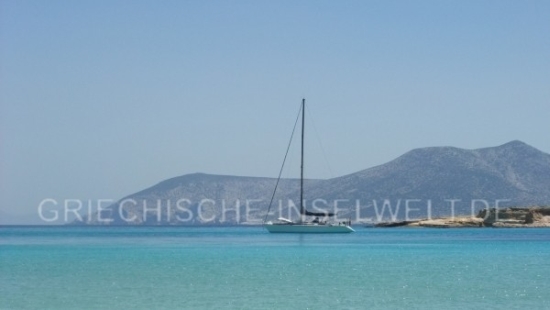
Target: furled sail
{"points": [[309, 213]]}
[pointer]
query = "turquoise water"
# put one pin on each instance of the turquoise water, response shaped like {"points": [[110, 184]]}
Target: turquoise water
{"points": [[248, 268]]}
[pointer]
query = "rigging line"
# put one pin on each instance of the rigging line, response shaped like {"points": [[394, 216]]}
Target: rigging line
{"points": [[312, 117], [283, 165]]}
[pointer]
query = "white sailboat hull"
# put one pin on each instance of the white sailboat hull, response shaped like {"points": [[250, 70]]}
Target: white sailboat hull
{"points": [[304, 227], [308, 228]]}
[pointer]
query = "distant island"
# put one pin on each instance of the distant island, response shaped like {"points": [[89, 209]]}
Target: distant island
{"points": [[426, 183], [534, 217]]}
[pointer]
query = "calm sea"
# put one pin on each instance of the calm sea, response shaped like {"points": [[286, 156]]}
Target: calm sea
{"points": [[248, 268]]}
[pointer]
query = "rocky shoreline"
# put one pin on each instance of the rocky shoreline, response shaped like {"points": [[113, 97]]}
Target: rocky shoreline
{"points": [[494, 217]]}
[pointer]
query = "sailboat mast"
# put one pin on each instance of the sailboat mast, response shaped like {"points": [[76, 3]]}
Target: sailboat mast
{"points": [[302, 209]]}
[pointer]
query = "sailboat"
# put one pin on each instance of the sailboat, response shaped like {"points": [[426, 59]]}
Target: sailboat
{"points": [[316, 225]]}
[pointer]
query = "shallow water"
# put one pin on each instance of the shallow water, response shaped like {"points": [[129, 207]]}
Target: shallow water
{"points": [[248, 268]]}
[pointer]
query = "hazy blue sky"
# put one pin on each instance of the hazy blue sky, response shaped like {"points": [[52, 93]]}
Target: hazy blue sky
{"points": [[100, 99]]}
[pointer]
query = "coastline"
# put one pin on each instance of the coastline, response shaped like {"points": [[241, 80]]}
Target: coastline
{"points": [[513, 217]]}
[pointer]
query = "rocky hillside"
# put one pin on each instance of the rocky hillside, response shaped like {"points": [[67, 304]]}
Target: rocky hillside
{"points": [[426, 182], [197, 199], [515, 173]]}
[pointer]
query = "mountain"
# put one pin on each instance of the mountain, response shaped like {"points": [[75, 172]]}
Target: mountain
{"points": [[196, 199], [426, 182], [515, 174]]}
